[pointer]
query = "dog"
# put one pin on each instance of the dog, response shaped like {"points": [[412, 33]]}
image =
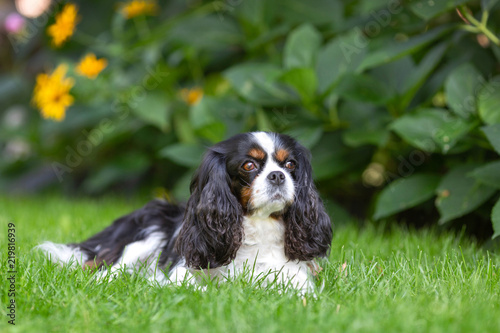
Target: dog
{"points": [[253, 204]]}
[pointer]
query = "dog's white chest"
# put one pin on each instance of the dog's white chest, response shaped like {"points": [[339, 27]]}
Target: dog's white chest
{"points": [[263, 243], [263, 253]]}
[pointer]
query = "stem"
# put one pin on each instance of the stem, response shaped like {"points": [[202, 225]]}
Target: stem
{"points": [[484, 17], [470, 28], [491, 36], [471, 18], [479, 27]]}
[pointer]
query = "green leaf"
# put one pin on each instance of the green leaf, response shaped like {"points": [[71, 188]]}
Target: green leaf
{"points": [[495, 219], [364, 88], [488, 174], [183, 154], [303, 80], [405, 193], [489, 102], [332, 157], [250, 12], [432, 130], [216, 109], [267, 36], [461, 89], [359, 137], [217, 117], [371, 7], [492, 132], [395, 73], [256, 82], [215, 132], [341, 55], [263, 122], [417, 77], [396, 50], [434, 84], [123, 167], [366, 124], [308, 136], [181, 187], [207, 32], [487, 5], [153, 109], [459, 194], [183, 128], [427, 10], [325, 12], [204, 112], [301, 47]]}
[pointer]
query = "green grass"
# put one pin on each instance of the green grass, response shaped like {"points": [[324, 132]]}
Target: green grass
{"points": [[375, 281]]}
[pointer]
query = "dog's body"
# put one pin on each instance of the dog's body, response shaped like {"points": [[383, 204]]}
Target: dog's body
{"points": [[253, 207]]}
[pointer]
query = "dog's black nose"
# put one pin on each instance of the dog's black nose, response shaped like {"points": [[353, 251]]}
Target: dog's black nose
{"points": [[276, 178]]}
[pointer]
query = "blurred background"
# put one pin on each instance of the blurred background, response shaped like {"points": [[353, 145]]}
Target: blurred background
{"points": [[399, 101]]}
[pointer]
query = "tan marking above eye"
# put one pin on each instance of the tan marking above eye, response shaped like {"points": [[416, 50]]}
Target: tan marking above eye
{"points": [[282, 155], [249, 166], [256, 153]]}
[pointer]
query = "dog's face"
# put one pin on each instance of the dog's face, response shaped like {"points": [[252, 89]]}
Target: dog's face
{"points": [[255, 174], [263, 169]]}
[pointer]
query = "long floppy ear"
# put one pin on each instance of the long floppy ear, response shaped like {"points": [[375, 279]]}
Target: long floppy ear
{"points": [[308, 232], [212, 228]]}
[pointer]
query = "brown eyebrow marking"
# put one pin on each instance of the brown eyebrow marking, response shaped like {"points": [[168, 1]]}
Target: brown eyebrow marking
{"points": [[282, 155], [256, 153]]}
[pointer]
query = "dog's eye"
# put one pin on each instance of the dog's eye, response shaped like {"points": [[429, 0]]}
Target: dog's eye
{"points": [[290, 165], [249, 166]]}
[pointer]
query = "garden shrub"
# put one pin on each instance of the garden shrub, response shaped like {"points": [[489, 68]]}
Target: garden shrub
{"points": [[399, 101]]}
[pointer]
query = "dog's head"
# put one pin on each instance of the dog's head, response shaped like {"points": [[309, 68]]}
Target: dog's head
{"points": [[256, 174]]}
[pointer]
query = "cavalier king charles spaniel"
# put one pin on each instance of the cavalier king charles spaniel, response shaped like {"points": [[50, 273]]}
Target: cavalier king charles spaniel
{"points": [[253, 204]]}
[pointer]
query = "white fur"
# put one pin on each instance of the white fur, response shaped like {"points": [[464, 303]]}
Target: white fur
{"points": [[266, 141], [64, 254], [180, 274], [263, 253], [142, 256], [266, 198]]}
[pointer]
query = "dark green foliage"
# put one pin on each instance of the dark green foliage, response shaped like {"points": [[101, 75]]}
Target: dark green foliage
{"points": [[380, 91]]}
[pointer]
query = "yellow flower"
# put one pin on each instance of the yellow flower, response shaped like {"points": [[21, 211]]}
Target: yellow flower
{"points": [[90, 66], [51, 93], [139, 7], [64, 26], [192, 96]]}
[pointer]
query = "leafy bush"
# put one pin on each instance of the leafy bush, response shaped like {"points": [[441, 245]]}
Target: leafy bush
{"points": [[398, 101]]}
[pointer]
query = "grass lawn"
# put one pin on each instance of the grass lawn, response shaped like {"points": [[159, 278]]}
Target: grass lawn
{"points": [[375, 281]]}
